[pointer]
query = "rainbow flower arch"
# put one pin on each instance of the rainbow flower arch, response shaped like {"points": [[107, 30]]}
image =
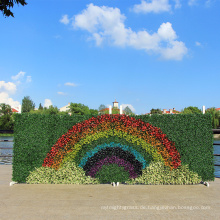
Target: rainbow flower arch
{"points": [[113, 139]]}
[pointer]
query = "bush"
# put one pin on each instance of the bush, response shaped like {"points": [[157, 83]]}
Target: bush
{"points": [[69, 174], [112, 173], [158, 174]]}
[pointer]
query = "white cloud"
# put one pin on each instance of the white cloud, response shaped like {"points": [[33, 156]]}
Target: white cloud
{"points": [[5, 90], [70, 84], [192, 2], [47, 103], [208, 3], [155, 6], [19, 76], [102, 22], [129, 105], [61, 93], [166, 32], [98, 38], [174, 51], [29, 79], [177, 4], [4, 98], [57, 36], [107, 24], [198, 44], [8, 87], [65, 20]]}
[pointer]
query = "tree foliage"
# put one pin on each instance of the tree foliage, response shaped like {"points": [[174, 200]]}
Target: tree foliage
{"points": [[114, 111], [5, 109], [40, 107], [93, 111], [52, 110], [191, 110], [6, 119], [155, 111], [78, 109], [6, 5], [128, 111], [101, 107], [215, 116], [27, 104]]}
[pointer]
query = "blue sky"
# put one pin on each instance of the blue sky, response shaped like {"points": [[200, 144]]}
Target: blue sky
{"points": [[145, 54]]}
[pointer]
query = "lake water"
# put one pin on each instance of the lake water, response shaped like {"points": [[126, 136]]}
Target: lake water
{"points": [[9, 152], [217, 158], [6, 152]]}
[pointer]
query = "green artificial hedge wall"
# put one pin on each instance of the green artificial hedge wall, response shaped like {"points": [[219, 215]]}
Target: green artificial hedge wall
{"points": [[193, 137], [34, 135]]}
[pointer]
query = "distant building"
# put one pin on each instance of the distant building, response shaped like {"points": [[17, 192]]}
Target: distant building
{"points": [[14, 110], [171, 111], [115, 104], [115, 109], [65, 108]]}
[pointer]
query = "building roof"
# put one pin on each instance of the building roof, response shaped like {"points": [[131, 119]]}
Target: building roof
{"points": [[174, 112], [14, 110], [65, 108], [164, 111], [104, 109], [107, 109]]}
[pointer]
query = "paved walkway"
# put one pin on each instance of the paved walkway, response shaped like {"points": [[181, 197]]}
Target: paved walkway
{"points": [[23, 201]]}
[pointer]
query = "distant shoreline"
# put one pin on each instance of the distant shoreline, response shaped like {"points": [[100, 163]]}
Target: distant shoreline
{"points": [[216, 136], [6, 135]]}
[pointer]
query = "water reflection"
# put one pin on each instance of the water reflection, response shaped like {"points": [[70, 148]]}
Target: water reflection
{"points": [[217, 158], [7, 151]]}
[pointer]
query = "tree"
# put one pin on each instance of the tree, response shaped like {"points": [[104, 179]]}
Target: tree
{"points": [[101, 107], [5, 109], [6, 5], [155, 111], [93, 111], [6, 120], [215, 116], [191, 110], [40, 107], [62, 113], [27, 104], [78, 109], [52, 110], [115, 110], [128, 111]]}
